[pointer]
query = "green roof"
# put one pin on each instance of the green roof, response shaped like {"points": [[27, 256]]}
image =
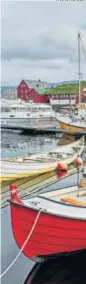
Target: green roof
{"points": [[42, 91], [64, 89], [67, 89]]}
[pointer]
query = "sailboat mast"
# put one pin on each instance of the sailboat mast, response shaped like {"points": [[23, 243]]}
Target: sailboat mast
{"points": [[79, 66]]}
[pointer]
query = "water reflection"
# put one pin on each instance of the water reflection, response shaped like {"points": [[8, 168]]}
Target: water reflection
{"points": [[72, 180], [13, 144]]}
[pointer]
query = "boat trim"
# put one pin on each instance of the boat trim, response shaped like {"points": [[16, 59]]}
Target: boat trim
{"points": [[44, 210]]}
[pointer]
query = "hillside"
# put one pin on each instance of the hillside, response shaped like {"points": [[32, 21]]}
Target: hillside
{"points": [[67, 88]]}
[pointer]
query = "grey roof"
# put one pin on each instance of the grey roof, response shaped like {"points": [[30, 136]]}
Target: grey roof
{"points": [[36, 84], [35, 81]]}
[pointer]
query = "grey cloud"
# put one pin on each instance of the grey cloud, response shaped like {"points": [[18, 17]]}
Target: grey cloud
{"points": [[37, 35], [42, 47], [15, 70], [40, 36]]}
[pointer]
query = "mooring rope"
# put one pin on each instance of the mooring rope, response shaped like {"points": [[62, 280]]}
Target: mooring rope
{"points": [[24, 244]]}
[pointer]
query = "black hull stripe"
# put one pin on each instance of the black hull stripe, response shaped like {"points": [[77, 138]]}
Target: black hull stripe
{"points": [[54, 255]]}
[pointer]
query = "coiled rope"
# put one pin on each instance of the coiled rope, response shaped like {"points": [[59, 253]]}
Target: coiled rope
{"points": [[24, 244]]}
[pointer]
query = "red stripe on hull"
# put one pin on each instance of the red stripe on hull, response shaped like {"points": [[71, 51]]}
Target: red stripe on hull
{"points": [[51, 235]]}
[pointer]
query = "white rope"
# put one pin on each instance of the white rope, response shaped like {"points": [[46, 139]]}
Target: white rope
{"points": [[24, 244]]}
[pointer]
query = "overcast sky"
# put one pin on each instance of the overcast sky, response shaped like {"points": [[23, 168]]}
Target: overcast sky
{"points": [[39, 40]]}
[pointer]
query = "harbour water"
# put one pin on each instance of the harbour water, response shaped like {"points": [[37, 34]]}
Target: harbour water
{"points": [[13, 144]]}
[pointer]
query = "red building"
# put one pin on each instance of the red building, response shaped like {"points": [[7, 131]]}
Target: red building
{"points": [[36, 91], [83, 96], [26, 92]]}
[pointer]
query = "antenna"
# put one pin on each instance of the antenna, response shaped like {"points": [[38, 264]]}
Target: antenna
{"points": [[79, 66]]}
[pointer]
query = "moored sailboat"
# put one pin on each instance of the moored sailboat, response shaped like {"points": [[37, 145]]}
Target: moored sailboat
{"points": [[73, 124], [76, 122]]}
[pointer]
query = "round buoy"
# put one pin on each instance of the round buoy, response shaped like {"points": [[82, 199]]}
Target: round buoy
{"points": [[61, 166], [78, 162], [61, 174], [14, 195]]}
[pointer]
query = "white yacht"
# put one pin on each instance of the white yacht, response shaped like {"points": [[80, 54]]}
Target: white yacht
{"points": [[22, 114]]}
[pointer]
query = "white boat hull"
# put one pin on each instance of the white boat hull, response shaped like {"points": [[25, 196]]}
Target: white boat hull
{"points": [[40, 163], [25, 122], [11, 170]]}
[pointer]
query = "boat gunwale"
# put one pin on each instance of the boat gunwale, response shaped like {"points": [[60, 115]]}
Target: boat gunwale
{"points": [[44, 211]]}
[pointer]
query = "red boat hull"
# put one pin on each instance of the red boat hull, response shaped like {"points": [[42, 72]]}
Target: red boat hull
{"points": [[52, 234]]}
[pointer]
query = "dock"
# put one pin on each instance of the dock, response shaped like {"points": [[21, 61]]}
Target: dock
{"points": [[44, 130]]}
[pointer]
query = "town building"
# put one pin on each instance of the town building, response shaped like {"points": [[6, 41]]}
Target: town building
{"points": [[65, 100], [38, 92], [32, 90], [62, 100]]}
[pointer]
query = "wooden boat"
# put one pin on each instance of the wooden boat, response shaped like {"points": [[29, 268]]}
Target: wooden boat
{"points": [[51, 223], [73, 124], [59, 149], [41, 163]]}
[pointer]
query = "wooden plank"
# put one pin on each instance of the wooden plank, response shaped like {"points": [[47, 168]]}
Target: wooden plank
{"points": [[73, 201]]}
